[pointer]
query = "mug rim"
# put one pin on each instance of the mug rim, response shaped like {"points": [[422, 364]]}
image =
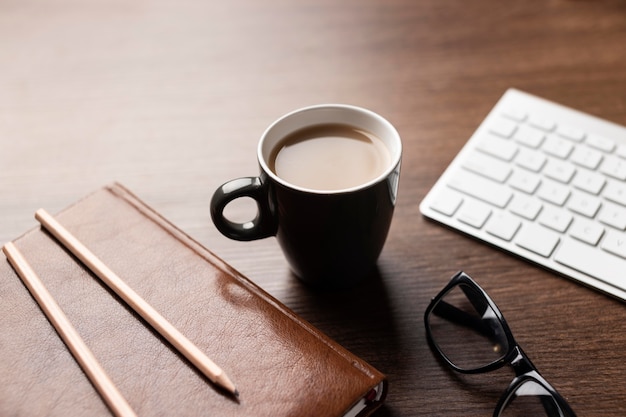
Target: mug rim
{"points": [[393, 136]]}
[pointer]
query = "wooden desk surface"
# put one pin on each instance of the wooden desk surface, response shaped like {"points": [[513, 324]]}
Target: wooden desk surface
{"points": [[170, 98]]}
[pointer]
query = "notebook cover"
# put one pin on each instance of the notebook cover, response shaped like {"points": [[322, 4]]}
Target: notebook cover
{"points": [[282, 365]]}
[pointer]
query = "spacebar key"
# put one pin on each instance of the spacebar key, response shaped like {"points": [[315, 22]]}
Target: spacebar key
{"points": [[593, 262], [481, 188]]}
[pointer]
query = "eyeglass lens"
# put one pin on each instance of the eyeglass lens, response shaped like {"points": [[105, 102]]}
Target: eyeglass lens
{"points": [[466, 329]]}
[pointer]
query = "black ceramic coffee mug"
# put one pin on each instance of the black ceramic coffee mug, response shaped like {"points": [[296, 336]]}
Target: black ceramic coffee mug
{"points": [[327, 190]]}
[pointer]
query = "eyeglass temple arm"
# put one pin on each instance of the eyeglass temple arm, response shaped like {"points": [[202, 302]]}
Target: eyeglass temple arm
{"points": [[458, 316], [478, 301]]}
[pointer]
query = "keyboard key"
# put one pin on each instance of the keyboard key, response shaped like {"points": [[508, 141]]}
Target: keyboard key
{"points": [[446, 203], [503, 225], [621, 151], [530, 160], [588, 260], [500, 148], [586, 157], [601, 143], [515, 114], [553, 192], [556, 146], [555, 218], [584, 204], [525, 206], [614, 167], [529, 137], [542, 123], [613, 215], [537, 239], [481, 188], [524, 181], [586, 231], [589, 181], [502, 127], [474, 214], [487, 166], [615, 192], [570, 132], [615, 242], [559, 170]]}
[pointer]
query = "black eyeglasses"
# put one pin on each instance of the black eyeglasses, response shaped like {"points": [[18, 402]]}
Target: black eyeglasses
{"points": [[464, 311]]}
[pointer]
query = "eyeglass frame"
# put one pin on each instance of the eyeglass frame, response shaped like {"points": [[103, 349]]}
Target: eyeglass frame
{"points": [[524, 369]]}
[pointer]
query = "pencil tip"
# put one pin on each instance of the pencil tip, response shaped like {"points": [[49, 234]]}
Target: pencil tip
{"points": [[227, 384]]}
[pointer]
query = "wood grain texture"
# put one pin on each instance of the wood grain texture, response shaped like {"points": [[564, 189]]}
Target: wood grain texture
{"points": [[170, 98]]}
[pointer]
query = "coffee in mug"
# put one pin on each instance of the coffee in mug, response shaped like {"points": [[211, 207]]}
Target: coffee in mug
{"points": [[326, 190], [329, 157]]}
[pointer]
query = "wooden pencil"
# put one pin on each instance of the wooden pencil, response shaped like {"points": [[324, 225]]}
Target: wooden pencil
{"points": [[83, 355], [138, 304]]}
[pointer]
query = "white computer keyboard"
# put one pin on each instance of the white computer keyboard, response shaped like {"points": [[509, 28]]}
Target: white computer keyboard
{"points": [[545, 182]]}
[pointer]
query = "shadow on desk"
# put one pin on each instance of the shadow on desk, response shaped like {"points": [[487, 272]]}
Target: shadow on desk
{"points": [[361, 319]]}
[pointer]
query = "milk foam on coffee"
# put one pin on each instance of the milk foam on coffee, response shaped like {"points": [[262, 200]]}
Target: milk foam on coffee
{"points": [[329, 157]]}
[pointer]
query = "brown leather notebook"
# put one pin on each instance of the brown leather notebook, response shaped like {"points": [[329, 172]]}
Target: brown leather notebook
{"points": [[282, 365]]}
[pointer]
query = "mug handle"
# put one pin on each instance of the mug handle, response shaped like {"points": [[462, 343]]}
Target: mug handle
{"points": [[263, 225]]}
